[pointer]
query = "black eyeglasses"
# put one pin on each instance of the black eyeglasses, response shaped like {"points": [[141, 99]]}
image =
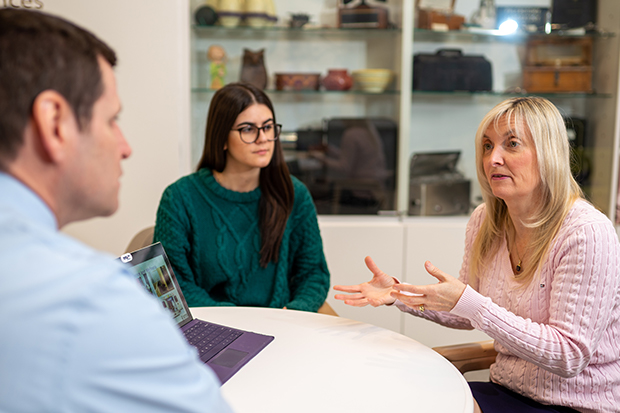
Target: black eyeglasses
{"points": [[250, 133]]}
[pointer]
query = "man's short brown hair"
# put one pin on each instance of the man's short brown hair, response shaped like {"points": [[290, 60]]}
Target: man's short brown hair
{"points": [[41, 52]]}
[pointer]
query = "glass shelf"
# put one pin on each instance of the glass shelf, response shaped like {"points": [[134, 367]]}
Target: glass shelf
{"points": [[278, 32], [489, 36], [564, 95], [311, 92]]}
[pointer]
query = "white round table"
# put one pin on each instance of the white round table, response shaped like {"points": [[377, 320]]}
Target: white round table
{"points": [[322, 363]]}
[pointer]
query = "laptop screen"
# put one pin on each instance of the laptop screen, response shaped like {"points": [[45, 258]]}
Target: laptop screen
{"points": [[152, 268]]}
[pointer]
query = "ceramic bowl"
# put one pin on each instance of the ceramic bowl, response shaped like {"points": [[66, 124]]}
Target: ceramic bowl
{"points": [[372, 80]]}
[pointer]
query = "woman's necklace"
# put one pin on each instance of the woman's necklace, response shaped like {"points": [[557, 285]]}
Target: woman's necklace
{"points": [[518, 268], [513, 246]]}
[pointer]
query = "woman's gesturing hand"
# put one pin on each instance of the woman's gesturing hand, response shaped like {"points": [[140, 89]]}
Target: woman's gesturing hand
{"points": [[375, 292], [441, 296]]}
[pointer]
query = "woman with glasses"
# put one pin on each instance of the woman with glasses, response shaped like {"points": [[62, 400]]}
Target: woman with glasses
{"points": [[240, 230]]}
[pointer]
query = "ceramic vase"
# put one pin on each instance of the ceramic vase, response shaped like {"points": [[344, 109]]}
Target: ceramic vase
{"points": [[230, 12], [337, 79], [259, 13], [255, 13], [270, 9]]}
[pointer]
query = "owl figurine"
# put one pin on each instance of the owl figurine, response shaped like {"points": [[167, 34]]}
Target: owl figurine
{"points": [[253, 69]]}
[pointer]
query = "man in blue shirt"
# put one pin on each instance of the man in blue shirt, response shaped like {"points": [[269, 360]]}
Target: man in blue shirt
{"points": [[78, 334]]}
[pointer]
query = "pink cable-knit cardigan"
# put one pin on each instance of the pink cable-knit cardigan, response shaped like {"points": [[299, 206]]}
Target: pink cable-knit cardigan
{"points": [[559, 338]]}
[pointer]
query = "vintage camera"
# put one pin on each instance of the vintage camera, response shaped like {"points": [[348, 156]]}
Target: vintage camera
{"points": [[362, 16], [435, 185]]}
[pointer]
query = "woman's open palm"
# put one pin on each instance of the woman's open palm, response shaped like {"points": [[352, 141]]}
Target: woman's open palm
{"points": [[375, 292]]}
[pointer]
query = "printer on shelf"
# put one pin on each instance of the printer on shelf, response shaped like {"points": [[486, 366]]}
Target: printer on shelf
{"points": [[436, 187]]}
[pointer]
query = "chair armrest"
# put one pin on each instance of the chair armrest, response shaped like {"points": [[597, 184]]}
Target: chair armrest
{"points": [[470, 356]]}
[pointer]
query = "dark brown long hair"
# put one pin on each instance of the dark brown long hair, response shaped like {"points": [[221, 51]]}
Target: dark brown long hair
{"points": [[277, 195]]}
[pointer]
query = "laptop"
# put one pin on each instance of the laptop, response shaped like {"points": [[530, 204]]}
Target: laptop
{"points": [[222, 348]]}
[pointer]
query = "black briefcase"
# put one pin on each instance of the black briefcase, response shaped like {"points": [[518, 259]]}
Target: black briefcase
{"points": [[450, 70]]}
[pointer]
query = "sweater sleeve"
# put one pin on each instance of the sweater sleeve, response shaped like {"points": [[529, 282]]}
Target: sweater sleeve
{"points": [[173, 229], [309, 276], [584, 285]]}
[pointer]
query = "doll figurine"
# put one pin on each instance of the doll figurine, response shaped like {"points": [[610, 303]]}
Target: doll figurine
{"points": [[217, 68]]}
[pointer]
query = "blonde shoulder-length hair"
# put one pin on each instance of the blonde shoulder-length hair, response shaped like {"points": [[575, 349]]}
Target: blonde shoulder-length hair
{"points": [[540, 119]]}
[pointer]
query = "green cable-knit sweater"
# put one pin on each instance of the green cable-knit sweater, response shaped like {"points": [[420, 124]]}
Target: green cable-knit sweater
{"points": [[212, 238]]}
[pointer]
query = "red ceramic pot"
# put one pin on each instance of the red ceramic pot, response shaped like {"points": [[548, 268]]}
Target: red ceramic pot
{"points": [[337, 79]]}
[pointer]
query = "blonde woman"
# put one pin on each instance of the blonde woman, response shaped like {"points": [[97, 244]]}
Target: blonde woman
{"points": [[540, 273]]}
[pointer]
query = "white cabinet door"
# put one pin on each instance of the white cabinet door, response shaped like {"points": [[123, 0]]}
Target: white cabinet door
{"points": [[347, 241], [440, 240]]}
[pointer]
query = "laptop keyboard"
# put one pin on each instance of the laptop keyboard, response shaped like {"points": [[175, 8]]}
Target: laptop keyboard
{"points": [[210, 339]]}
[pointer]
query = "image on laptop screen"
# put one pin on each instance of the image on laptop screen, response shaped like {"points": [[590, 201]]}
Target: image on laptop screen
{"points": [[224, 349], [155, 277]]}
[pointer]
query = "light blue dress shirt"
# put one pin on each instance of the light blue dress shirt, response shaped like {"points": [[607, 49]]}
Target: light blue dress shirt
{"points": [[77, 333]]}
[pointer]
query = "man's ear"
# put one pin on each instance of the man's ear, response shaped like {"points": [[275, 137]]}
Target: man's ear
{"points": [[55, 124]]}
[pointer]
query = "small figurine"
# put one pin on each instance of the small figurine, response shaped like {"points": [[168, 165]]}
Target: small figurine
{"points": [[217, 68], [253, 68]]}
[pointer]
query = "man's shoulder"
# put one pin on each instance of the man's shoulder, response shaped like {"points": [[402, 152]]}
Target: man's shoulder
{"points": [[76, 319], [35, 255]]}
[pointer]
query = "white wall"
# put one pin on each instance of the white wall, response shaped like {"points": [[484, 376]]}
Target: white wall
{"points": [[151, 41]]}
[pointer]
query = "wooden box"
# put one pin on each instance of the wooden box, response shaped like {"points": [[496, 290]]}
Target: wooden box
{"points": [[441, 19], [559, 51], [558, 65], [557, 79], [432, 20]]}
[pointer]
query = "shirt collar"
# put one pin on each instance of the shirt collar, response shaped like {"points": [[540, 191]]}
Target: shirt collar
{"points": [[17, 196]]}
